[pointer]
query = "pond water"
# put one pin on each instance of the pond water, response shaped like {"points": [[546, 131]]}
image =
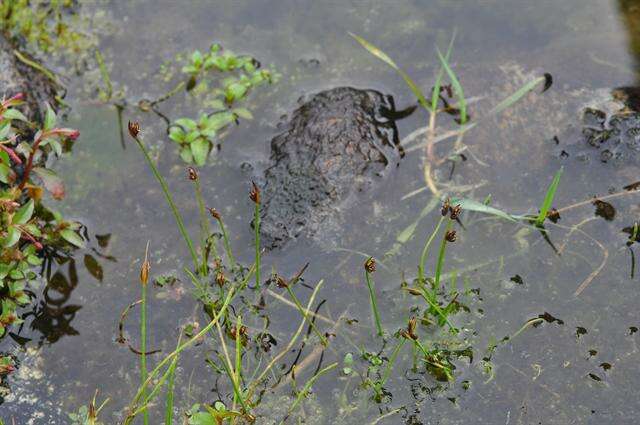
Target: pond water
{"points": [[582, 282]]}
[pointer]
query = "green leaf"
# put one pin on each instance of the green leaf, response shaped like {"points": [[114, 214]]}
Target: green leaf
{"points": [[191, 136], [202, 418], [200, 150], [185, 154], [548, 198], [196, 58], [177, 134], [5, 130], [386, 59], [5, 170], [235, 91], [471, 205], [72, 237], [49, 118], [24, 213], [215, 104], [457, 87], [187, 123], [219, 120], [243, 113], [14, 114], [517, 95], [13, 236]]}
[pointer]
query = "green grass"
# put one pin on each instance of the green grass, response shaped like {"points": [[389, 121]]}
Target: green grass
{"points": [[548, 199]]}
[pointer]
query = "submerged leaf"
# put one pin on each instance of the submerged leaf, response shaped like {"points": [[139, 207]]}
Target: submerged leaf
{"points": [[471, 205], [386, 59], [72, 237], [51, 182]]}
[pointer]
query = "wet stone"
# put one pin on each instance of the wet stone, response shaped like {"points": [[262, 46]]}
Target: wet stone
{"points": [[337, 144], [612, 138]]}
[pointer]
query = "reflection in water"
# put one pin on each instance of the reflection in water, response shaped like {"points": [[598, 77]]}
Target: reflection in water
{"points": [[52, 317]]}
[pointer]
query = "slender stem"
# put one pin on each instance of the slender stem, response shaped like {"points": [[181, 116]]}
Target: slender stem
{"points": [[392, 360], [204, 229], [170, 388], [238, 365], [174, 209], [425, 251], [230, 295], [227, 245], [441, 255], [29, 166], [256, 221], [285, 350], [304, 314], [143, 346], [374, 304], [307, 386]]}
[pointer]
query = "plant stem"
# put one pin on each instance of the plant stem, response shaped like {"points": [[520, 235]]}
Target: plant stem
{"points": [[425, 251], [143, 346], [254, 384], [256, 221], [374, 304], [230, 295], [204, 229], [441, 255], [307, 386], [303, 312], [168, 418], [392, 360], [169, 198], [227, 245]]}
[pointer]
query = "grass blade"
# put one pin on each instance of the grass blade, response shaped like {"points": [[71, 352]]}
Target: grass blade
{"points": [[471, 205], [457, 87], [548, 198], [517, 95], [435, 95], [375, 51]]}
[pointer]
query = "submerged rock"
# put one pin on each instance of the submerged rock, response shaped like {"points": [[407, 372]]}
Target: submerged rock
{"points": [[336, 144], [18, 77], [609, 135]]}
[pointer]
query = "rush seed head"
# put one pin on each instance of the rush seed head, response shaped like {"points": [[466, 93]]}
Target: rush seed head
{"points": [[134, 129], [450, 236], [192, 173], [445, 207], [455, 212], [215, 213], [370, 265], [254, 195]]}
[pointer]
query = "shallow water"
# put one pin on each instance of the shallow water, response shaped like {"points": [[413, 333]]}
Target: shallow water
{"points": [[542, 376]]}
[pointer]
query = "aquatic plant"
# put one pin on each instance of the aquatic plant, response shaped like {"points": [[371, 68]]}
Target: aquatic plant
{"points": [[28, 229], [46, 26], [196, 138]]}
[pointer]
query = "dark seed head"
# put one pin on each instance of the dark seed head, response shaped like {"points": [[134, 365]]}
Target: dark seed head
{"points": [[450, 236], [192, 173], [445, 207], [220, 279], [214, 213], [254, 195], [280, 281], [455, 212], [134, 129], [370, 265]]}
